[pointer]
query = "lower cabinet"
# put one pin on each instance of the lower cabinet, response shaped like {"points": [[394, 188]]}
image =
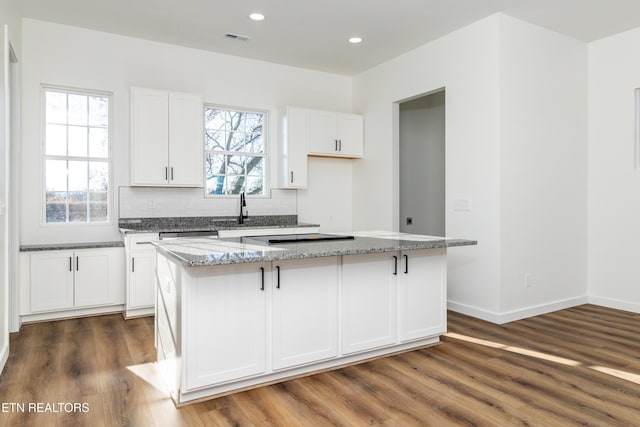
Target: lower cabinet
{"points": [[305, 311], [61, 280], [230, 341], [141, 274]]}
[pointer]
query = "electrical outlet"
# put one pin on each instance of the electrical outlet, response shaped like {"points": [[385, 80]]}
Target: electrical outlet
{"points": [[409, 220]]}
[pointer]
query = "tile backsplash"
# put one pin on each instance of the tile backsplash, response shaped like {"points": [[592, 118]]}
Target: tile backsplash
{"points": [[155, 202]]}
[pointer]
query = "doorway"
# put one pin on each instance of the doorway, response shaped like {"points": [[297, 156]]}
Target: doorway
{"points": [[422, 164]]}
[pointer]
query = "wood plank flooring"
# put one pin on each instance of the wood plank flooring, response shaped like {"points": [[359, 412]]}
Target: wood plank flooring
{"points": [[579, 366]]}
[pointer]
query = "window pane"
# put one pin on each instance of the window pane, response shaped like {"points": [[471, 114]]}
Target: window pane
{"points": [[255, 166], [255, 144], [98, 111], [235, 184], [56, 140], [56, 206], [235, 165], [78, 176], [237, 141], [214, 140], [98, 143], [214, 164], [234, 121], [56, 175], [56, 107], [253, 123], [215, 185], [254, 185], [98, 209], [78, 141], [78, 207], [78, 109], [98, 176], [214, 119]]}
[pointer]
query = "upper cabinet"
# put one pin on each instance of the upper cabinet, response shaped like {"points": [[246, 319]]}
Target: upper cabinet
{"points": [[167, 147], [293, 148], [335, 134]]}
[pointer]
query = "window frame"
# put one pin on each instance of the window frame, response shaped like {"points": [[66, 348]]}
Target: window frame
{"points": [[266, 193], [44, 157]]}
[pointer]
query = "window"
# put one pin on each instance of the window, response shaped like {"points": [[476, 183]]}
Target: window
{"points": [[234, 151], [76, 155]]}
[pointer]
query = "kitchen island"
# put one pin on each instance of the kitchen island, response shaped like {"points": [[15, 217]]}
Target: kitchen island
{"points": [[237, 313]]}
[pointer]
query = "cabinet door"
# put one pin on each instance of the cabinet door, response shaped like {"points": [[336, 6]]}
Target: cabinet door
{"points": [[369, 301], [422, 281], [186, 140], [305, 301], [226, 318], [51, 280], [350, 135], [323, 133], [149, 137], [142, 279], [293, 155], [93, 278]]}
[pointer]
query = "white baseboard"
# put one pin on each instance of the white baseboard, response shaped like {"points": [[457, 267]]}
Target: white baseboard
{"points": [[4, 355], [614, 303], [510, 316]]}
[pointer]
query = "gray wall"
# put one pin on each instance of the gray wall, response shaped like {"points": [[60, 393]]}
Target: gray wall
{"points": [[422, 164]]}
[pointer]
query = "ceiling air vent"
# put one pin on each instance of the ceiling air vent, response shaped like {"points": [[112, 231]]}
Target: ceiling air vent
{"points": [[238, 37]]}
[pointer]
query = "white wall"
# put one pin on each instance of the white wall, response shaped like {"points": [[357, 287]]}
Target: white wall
{"points": [[9, 17], [515, 149], [543, 158], [614, 184], [466, 64], [70, 56]]}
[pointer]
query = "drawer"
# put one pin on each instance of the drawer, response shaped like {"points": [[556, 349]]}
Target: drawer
{"points": [[140, 241]]}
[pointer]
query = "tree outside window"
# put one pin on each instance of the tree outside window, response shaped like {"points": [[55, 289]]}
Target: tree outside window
{"points": [[234, 151]]}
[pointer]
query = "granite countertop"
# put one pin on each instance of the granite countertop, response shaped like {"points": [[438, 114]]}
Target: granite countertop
{"points": [[71, 246], [177, 224], [195, 252]]}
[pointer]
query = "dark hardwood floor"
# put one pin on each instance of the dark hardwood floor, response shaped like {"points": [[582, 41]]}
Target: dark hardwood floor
{"points": [[579, 366]]}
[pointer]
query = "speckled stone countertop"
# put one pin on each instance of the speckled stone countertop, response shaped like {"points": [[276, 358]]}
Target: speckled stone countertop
{"points": [[195, 252], [173, 224], [71, 246]]}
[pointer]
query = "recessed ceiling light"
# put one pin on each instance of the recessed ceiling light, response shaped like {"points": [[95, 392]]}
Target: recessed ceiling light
{"points": [[256, 17], [355, 40]]}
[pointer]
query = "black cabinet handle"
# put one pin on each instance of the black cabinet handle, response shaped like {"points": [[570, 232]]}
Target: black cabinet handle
{"points": [[77, 263], [395, 265], [340, 145], [171, 173], [133, 265], [278, 275], [262, 273], [70, 264], [166, 172], [336, 141], [406, 264], [292, 177]]}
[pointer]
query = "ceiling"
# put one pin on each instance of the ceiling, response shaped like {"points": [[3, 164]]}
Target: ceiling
{"points": [[313, 33]]}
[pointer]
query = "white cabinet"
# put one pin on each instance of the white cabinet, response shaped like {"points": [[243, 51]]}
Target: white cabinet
{"points": [[60, 280], [335, 134], [141, 274], [230, 309], [167, 138], [305, 311], [422, 279], [293, 148], [369, 301]]}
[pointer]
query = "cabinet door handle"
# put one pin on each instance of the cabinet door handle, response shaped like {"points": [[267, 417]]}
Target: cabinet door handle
{"points": [[406, 264], [336, 141], [70, 264], [262, 273], [171, 173], [340, 145], [133, 265], [292, 177], [77, 263], [166, 172], [395, 265], [278, 276]]}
